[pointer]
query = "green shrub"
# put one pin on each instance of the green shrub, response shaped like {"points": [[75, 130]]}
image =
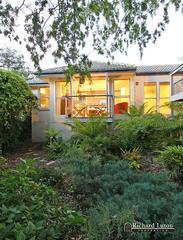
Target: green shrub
{"points": [[172, 158], [148, 133], [51, 176], [92, 136], [133, 157], [16, 101], [52, 135], [30, 210], [55, 150]]}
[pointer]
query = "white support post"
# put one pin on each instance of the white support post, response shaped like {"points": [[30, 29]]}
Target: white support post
{"points": [[107, 91], [52, 101]]}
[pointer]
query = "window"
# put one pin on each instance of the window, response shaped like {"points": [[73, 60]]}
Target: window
{"points": [[90, 97], [121, 96], [62, 100], [154, 101], [44, 100], [150, 98], [164, 98]]}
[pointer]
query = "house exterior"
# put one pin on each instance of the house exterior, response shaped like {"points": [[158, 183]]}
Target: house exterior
{"points": [[110, 91], [177, 84]]}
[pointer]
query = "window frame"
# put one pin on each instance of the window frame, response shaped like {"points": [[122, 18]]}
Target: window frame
{"points": [[158, 98], [39, 99]]}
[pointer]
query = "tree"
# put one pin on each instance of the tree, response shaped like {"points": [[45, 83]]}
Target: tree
{"points": [[10, 59], [16, 102], [111, 25]]}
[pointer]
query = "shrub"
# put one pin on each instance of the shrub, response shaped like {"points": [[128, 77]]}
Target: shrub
{"points": [[172, 158], [55, 150], [16, 101], [92, 136], [148, 133], [30, 210], [133, 157], [51, 176], [52, 135]]}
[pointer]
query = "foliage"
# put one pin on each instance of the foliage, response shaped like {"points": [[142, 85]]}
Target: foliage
{"points": [[112, 26], [138, 111], [92, 136], [177, 107], [51, 176], [10, 59], [55, 145], [30, 210], [172, 158], [133, 156], [148, 133], [55, 150], [112, 194], [16, 101], [52, 135]]}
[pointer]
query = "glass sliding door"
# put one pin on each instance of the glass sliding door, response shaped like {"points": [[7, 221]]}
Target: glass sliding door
{"points": [[89, 98], [62, 99], [121, 96]]}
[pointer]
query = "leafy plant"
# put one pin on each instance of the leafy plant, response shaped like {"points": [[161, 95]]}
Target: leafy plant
{"points": [[149, 133], [30, 210], [55, 150], [135, 111], [52, 135], [16, 101], [92, 136], [133, 156], [172, 158], [51, 176]]}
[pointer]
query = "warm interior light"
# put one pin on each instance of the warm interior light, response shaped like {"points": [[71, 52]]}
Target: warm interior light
{"points": [[42, 90], [123, 91]]}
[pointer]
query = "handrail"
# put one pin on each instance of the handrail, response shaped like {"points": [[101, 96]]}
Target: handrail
{"points": [[100, 95]]}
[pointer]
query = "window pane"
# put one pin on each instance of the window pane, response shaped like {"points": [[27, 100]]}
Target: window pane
{"points": [[44, 98], [62, 89], [121, 88], [164, 90], [164, 109], [121, 105], [97, 86], [149, 90], [150, 104]]}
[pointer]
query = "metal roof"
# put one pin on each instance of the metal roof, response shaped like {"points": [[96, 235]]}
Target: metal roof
{"points": [[114, 67], [37, 81], [96, 67], [156, 69]]}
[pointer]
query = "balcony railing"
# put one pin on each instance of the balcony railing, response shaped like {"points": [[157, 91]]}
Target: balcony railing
{"points": [[83, 106]]}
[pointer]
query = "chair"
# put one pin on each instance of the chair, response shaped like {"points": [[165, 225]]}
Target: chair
{"points": [[121, 108]]}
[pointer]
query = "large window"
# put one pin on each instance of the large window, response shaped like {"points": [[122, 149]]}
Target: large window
{"points": [[62, 99], [164, 98], [154, 101], [121, 96], [150, 96], [89, 98], [44, 100]]}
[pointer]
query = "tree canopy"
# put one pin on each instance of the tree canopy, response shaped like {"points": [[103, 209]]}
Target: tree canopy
{"points": [[16, 101], [110, 25], [10, 59]]}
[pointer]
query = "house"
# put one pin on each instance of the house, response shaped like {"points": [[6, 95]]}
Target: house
{"points": [[110, 91], [177, 84]]}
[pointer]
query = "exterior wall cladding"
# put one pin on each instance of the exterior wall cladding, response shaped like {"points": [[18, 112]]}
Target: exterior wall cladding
{"points": [[102, 100]]}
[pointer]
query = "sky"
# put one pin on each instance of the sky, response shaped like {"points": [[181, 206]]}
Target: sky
{"points": [[167, 49]]}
